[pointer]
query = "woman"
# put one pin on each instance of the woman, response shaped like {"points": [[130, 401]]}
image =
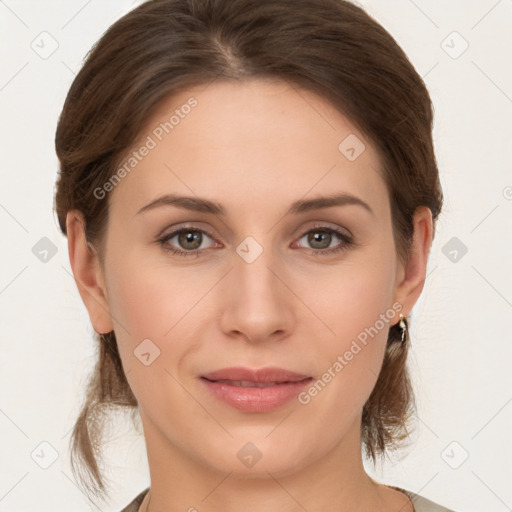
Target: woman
{"points": [[249, 190]]}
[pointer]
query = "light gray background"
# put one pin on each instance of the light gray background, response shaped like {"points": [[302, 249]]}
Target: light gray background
{"points": [[461, 334]]}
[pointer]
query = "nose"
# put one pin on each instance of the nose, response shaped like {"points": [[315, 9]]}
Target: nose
{"points": [[256, 303]]}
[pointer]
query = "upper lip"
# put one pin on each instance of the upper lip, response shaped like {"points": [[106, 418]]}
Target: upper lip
{"points": [[270, 374]]}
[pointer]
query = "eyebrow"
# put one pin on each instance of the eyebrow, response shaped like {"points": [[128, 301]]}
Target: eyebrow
{"points": [[301, 206]]}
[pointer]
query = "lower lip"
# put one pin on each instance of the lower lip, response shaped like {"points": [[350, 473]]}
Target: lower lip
{"points": [[253, 399]]}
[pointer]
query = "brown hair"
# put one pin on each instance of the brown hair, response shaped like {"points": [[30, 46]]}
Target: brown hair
{"points": [[330, 47]]}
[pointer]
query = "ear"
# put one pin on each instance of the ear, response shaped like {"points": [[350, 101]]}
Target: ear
{"points": [[411, 275], [88, 273]]}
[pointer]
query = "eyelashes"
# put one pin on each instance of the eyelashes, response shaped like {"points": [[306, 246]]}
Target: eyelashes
{"points": [[164, 241], [346, 240], [190, 235]]}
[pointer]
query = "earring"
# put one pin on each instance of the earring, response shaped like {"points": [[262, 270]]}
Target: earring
{"points": [[404, 328]]}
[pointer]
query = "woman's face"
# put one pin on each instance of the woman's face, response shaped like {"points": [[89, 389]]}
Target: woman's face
{"points": [[273, 284]]}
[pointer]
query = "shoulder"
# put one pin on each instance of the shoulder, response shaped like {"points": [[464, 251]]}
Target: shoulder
{"points": [[422, 504], [135, 504]]}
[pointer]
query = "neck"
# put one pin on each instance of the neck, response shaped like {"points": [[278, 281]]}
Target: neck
{"points": [[335, 480]]}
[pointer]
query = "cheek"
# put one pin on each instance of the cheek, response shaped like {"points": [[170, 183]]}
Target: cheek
{"points": [[152, 308], [355, 296], [149, 301], [356, 304]]}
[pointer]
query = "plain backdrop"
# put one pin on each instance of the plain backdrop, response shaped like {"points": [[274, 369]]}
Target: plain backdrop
{"points": [[461, 453]]}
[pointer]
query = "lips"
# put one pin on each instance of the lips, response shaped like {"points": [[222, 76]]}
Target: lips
{"points": [[261, 390], [239, 376], [247, 383], [255, 391]]}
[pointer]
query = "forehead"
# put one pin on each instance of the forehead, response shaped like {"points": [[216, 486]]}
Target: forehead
{"points": [[246, 140]]}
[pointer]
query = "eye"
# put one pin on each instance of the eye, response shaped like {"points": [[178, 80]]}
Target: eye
{"points": [[320, 239], [190, 239]]}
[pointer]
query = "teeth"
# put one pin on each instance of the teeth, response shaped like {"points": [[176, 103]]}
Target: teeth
{"points": [[248, 383]]}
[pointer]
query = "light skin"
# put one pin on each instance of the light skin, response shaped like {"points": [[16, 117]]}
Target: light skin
{"points": [[254, 147]]}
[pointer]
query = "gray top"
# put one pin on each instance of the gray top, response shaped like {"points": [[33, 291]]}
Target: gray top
{"points": [[420, 504]]}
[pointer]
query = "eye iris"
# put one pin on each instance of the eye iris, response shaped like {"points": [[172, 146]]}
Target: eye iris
{"points": [[319, 236], [193, 237]]}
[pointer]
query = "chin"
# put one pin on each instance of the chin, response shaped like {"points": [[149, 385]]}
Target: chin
{"points": [[257, 456]]}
